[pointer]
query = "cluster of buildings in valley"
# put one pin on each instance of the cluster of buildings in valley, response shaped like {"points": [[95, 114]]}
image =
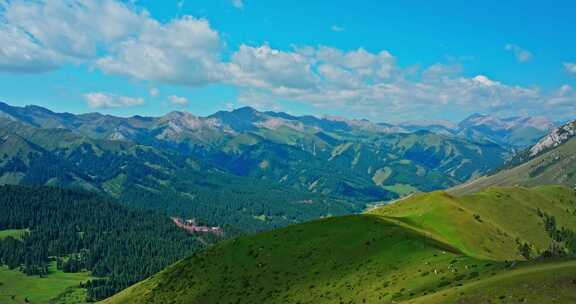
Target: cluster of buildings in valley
{"points": [[191, 226]]}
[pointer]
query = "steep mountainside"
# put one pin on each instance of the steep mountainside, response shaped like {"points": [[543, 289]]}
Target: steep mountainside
{"points": [[413, 251], [554, 139], [550, 161], [348, 159]]}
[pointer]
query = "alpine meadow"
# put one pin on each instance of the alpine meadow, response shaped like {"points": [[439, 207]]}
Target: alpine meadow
{"points": [[241, 151]]}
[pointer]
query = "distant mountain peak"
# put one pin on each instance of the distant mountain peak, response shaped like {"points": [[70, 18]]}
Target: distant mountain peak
{"points": [[245, 109]]}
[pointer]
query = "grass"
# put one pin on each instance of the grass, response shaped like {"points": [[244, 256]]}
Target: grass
{"points": [[401, 189], [429, 248], [15, 233], [542, 283], [487, 225], [56, 288], [557, 166], [345, 259]]}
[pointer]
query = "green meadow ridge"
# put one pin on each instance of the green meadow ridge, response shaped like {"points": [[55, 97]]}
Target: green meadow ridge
{"points": [[430, 248]]}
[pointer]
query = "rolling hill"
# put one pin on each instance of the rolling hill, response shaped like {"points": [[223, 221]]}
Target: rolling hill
{"points": [[430, 248]]}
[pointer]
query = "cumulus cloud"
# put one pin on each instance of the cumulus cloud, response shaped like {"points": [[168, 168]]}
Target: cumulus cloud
{"points": [[103, 100], [116, 37], [20, 54], [264, 67], [121, 39], [184, 51], [178, 100], [522, 55], [570, 67], [50, 33], [371, 84]]}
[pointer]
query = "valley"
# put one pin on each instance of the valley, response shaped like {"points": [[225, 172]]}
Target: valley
{"points": [[241, 172], [234, 168], [287, 152]]}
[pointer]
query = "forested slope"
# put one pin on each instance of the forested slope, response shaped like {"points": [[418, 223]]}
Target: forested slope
{"points": [[83, 231]]}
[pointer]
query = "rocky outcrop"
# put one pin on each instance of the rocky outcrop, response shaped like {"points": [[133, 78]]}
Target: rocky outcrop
{"points": [[555, 138]]}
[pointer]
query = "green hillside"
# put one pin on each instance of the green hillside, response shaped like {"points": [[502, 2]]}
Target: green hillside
{"points": [[541, 283], [57, 287], [489, 224], [345, 159], [557, 166], [426, 246]]}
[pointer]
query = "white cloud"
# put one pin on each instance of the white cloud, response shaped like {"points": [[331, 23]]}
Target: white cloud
{"points": [[102, 100], [522, 55], [118, 38], [20, 54], [238, 4], [368, 84], [178, 100], [115, 36], [184, 52], [264, 67], [570, 67], [154, 92], [50, 33], [336, 28]]}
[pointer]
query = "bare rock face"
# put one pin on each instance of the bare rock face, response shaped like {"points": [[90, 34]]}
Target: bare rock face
{"points": [[555, 138]]}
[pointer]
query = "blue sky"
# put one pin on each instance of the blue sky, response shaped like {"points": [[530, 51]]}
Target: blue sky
{"points": [[381, 60]]}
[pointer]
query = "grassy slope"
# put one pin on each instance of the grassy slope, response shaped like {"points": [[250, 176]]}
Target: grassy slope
{"points": [[338, 259], [398, 253], [57, 287], [557, 166], [487, 224], [15, 233], [544, 283]]}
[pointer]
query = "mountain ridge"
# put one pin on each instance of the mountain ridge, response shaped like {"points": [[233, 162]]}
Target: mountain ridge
{"points": [[551, 161], [366, 161], [475, 126]]}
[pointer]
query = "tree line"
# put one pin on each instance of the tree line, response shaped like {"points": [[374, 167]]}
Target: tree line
{"points": [[82, 231]]}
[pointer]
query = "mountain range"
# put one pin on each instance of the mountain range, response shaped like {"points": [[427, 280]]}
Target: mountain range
{"points": [[418, 213], [244, 168], [515, 132]]}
